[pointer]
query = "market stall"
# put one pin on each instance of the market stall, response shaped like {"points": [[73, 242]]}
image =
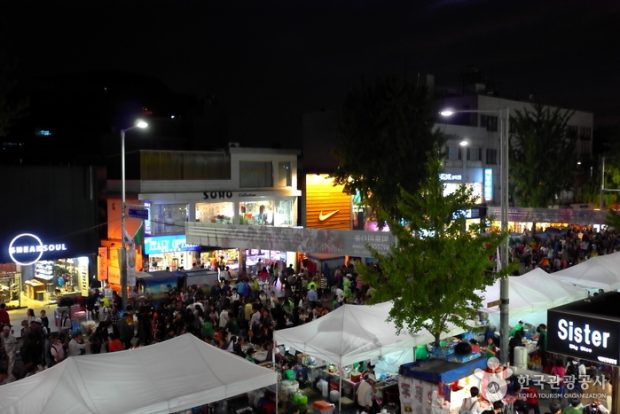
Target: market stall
{"points": [[170, 376], [350, 334]]}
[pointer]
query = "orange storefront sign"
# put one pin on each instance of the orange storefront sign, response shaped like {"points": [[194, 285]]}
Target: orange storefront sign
{"points": [[327, 206]]}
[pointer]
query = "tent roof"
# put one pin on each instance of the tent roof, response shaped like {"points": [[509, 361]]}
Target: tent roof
{"points": [[352, 333], [601, 272], [169, 376], [532, 292]]}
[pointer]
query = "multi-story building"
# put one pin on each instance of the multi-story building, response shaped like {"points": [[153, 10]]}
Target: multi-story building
{"points": [[473, 141], [235, 186]]}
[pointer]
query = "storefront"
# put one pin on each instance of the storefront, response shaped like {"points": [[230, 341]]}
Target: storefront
{"points": [[171, 253], [42, 271], [589, 330], [521, 219]]}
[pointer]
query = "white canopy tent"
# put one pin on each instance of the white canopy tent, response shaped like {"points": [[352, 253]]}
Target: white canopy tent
{"points": [[353, 333], [600, 272], [170, 376], [530, 295]]}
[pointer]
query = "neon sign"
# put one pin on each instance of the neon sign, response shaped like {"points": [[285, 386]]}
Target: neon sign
{"points": [[26, 248]]}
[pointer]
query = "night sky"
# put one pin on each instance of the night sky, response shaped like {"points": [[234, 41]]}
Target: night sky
{"points": [[268, 62]]}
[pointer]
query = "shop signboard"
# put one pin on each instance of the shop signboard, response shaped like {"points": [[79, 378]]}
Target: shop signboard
{"points": [[168, 244], [28, 248], [583, 335]]}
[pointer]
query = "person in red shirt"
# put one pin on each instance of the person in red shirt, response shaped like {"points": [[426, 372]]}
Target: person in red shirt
{"points": [[4, 315], [531, 399], [115, 344]]}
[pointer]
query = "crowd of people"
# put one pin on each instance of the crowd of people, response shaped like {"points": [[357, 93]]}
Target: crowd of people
{"points": [[553, 250], [238, 315]]}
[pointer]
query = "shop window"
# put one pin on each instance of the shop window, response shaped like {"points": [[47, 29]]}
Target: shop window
{"points": [[283, 215], [453, 152], [284, 174], [220, 213], [255, 174], [169, 218], [256, 212]]}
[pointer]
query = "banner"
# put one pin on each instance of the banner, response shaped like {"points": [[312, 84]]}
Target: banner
{"points": [[333, 242]]}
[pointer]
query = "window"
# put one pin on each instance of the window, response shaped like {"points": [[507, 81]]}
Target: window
{"points": [[489, 122], [474, 154], [284, 174], [221, 213], [255, 174], [585, 133], [169, 218], [491, 156], [453, 153], [571, 132], [256, 212]]}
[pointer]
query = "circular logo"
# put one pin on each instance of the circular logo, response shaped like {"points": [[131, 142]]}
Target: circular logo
{"points": [[493, 386], [28, 247]]}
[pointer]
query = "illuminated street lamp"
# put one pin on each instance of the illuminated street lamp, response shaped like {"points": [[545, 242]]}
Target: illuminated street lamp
{"points": [[464, 144], [504, 131], [139, 124]]}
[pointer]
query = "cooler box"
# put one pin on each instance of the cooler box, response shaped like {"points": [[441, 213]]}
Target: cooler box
{"points": [[323, 407]]}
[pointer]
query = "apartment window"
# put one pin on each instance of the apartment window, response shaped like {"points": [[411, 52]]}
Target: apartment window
{"points": [[491, 156], [489, 122], [453, 153], [255, 174], [585, 133], [474, 154], [571, 132], [284, 174]]}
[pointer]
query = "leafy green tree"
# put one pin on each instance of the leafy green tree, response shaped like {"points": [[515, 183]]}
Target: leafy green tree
{"points": [[541, 155], [433, 272], [386, 131]]}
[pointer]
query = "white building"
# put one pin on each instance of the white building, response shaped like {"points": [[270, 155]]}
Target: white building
{"points": [[478, 163]]}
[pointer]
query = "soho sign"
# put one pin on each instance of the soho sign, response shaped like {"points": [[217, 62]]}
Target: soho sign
{"points": [[26, 248]]}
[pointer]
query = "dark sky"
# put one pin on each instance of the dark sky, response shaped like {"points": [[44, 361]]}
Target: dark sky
{"points": [[269, 61]]}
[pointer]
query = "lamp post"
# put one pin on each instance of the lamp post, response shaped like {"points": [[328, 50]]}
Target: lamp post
{"points": [[463, 144], [504, 138], [139, 124]]}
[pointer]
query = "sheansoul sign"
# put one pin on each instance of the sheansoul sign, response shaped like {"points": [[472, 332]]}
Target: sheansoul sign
{"points": [[27, 248]]}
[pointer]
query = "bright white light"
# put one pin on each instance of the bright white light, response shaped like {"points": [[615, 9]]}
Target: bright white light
{"points": [[464, 142], [447, 113], [578, 162], [172, 116], [140, 123]]}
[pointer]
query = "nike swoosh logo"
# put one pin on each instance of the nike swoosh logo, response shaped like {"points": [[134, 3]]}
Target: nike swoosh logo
{"points": [[323, 217]]}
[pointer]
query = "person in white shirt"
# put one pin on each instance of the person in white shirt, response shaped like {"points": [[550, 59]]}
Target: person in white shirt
{"points": [[472, 404], [224, 318], [365, 392], [76, 345]]}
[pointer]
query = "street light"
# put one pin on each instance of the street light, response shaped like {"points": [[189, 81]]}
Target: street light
{"points": [[463, 144], [504, 138], [139, 124]]}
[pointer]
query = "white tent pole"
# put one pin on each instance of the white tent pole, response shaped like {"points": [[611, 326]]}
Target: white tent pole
{"points": [[275, 369], [341, 373]]}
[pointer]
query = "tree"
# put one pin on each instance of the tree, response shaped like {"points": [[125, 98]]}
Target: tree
{"points": [[542, 155], [386, 131], [433, 272]]}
